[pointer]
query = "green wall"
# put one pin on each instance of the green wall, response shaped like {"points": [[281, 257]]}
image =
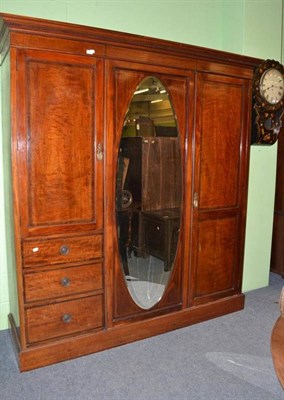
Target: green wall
{"points": [[239, 26], [259, 20]]}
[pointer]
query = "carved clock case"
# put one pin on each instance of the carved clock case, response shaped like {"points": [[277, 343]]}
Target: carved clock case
{"points": [[129, 170]]}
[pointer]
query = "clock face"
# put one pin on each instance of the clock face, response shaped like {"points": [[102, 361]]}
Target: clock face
{"points": [[272, 86]]}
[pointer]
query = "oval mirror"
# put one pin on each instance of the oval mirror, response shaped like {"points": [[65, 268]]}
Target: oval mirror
{"points": [[148, 192]]}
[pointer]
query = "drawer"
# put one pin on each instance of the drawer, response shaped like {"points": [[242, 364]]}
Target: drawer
{"points": [[62, 282], [60, 319], [63, 250]]}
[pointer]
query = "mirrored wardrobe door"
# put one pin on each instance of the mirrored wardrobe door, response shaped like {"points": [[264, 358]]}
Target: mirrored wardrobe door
{"points": [[150, 121], [148, 192]]}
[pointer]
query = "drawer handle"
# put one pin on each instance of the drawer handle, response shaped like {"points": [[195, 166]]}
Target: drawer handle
{"points": [[65, 282], [67, 318], [64, 249], [158, 228]]}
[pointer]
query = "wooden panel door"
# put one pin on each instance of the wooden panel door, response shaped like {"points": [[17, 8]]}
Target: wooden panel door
{"points": [[220, 187], [59, 131], [123, 80]]}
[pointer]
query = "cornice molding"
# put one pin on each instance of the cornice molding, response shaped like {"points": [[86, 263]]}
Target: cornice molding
{"points": [[22, 24]]}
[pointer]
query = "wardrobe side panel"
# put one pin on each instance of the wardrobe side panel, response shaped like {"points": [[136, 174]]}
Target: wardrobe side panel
{"points": [[8, 191]]}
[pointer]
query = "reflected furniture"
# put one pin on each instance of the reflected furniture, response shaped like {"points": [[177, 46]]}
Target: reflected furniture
{"points": [[151, 161], [66, 93], [160, 233], [149, 224]]}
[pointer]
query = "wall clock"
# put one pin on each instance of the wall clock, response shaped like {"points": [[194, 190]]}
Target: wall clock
{"points": [[268, 102]]}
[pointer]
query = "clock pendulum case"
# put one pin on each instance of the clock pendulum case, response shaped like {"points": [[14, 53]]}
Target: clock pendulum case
{"points": [[268, 102]]}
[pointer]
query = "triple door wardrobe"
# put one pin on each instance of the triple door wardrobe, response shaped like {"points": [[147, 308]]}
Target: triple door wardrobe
{"points": [[126, 192]]}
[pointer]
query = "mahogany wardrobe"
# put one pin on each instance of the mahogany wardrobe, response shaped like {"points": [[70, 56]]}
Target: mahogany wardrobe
{"points": [[126, 167]]}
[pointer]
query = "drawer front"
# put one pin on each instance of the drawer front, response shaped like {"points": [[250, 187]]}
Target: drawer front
{"points": [[62, 282], [63, 250], [55, 320]]}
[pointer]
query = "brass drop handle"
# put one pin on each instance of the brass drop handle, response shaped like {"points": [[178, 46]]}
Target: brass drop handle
{"points": [[66, 318], [64, 250], [65, 282]]}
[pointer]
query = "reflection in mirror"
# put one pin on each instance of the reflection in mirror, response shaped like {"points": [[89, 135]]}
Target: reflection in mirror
{"points": [[148, 193]]}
